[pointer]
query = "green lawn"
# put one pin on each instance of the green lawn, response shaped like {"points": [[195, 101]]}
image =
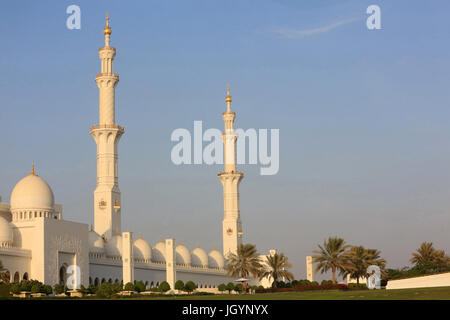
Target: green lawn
{"points": [[440, 293]]}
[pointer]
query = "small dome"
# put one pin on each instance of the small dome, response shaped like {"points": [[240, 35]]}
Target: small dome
{"points": [[32, 192], [96, 243], [199, 258], [183, 255], [114, 246], [215, 259], [142, 250], [6, 235], [159, 252]]}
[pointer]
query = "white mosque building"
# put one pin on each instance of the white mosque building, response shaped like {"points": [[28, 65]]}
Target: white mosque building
{"points": [[37, 243]]}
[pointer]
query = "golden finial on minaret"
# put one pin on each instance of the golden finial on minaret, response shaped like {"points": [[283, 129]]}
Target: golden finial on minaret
{"points": [[107, 30], [228, 99], [117, 231], [92, 229], [160, 239]]}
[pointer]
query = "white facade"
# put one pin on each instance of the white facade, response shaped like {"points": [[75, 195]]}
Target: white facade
{"points": [[37, 243]]}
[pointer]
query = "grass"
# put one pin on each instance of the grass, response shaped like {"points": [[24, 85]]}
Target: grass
{"points": [[438, 293]]}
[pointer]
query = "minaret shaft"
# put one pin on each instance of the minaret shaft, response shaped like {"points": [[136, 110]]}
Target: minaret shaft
{"points": [[230, 178], [107, 215]]}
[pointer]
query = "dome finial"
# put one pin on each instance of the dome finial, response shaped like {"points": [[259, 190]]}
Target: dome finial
{"points": [[92, 229], [140, 235], [117, 231], [228, 98], [32, 170]]}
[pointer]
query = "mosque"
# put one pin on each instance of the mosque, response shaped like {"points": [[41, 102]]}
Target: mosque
{"points": [[37, 243]]}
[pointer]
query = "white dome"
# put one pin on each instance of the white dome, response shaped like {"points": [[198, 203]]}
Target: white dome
{"points": [[159, 252], [6, 235], [96, 243], [114, 246], [142, 250], [199, 258], [183, 255], [32, 192], [215, 259]]}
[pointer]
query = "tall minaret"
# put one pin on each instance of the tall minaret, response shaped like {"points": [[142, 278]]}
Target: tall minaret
{"points": [[107, 133], [230, 178]]}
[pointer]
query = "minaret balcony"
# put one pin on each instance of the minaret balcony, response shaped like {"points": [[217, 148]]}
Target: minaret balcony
{"points": [[108, 126], [102, 204], [116, 205]]}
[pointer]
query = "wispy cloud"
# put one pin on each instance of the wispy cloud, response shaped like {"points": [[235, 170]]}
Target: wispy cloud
{"points": [[296, 34]]}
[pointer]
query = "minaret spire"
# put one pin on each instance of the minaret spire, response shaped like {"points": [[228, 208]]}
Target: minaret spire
{"points": [[230, 178], [107, 31], [107, 214]]}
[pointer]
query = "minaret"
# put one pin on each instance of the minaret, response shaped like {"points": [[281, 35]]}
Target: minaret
{"points": [[230, 178], [107, 135]]}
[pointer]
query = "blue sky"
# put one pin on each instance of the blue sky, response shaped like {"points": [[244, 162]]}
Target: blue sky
{"points": [[363, 116]]}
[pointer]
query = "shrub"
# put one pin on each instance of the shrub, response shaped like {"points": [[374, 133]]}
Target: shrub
{"points": [[129, 286], [164, 286], [140, 286], [116, 287], [35, 289], [14, 288], [58, 289], [222, 287], [47, 289], [230, 286], [25, 285], [179, 285], [326, 282], [359, 286], [190, 286], [238, 288], [314, 283], [105, 290], [92, 289]]}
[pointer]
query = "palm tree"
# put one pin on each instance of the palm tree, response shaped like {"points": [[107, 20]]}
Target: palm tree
{"points": [[358, 259], [426, 253], [276, 268], [245, 262], [330, 256]]}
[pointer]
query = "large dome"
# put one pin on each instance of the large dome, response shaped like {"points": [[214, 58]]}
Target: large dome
{"points": [[114, 246], [6, 236], [215, 259], [96, 243], [32, 192], [159, 252], [142, 250], [199, 258], [183, 255]]}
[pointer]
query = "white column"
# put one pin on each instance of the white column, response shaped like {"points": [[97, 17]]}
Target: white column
{"points": [[170, 263], [127, 257]]}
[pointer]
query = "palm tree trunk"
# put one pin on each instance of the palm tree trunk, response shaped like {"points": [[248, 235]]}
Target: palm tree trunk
{"points": [[357, 281], [333, 270]]}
